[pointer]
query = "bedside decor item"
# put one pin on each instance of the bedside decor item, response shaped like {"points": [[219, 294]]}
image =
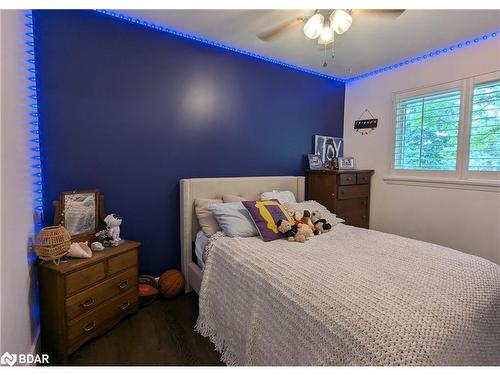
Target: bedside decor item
{"points": [[97, 246], [79, 250], [328, 147], [343, 163], [52, 243], [171, 283], [265, 215], [84, 298], [79, 212], [367, 125], [315, 162], [113, 222]]}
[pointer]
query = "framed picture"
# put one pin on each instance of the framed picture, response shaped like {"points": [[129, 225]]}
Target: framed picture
{"points": [[315, 162], [328, 148], [344, 163]]}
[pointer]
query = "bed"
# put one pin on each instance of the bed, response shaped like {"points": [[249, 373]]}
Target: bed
{"points": [[347, 297]]}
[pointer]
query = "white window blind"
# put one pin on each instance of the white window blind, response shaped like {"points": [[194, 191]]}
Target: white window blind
{"points": [[427, 131], [484, 146]]}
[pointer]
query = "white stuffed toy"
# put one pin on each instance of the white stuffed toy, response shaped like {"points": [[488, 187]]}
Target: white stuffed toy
{"points": [[113, 222]]}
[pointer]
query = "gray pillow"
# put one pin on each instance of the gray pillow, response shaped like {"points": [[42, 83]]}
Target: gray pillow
{"points": [[206, 218], [234, 219]]}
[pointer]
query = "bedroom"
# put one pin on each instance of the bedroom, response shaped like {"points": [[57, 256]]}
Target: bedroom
{"points": [[137, 145]]}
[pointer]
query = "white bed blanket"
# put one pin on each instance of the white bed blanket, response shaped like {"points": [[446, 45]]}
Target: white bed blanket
{"points": [[349, 297]]}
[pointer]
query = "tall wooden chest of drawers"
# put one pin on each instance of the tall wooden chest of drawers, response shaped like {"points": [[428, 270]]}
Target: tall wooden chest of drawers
{"points": [[83, 298], [344, 192]]}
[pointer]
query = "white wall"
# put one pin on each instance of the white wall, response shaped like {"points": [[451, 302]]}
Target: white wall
{"points": [[461, 219], [19, 327]]}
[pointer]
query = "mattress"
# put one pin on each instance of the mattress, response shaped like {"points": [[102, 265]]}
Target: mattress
{"points": [[349, 297], [200, 243]]}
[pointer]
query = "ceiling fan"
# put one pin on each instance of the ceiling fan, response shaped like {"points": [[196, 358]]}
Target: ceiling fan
{"points": [[316, 27]]}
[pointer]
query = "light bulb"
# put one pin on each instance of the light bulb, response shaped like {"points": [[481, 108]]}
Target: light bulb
{"points": [[340, 20], [314, 26], [326, 36]]}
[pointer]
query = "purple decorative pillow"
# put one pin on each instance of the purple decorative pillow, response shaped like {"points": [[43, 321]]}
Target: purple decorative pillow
{"points": [[265, 215]]}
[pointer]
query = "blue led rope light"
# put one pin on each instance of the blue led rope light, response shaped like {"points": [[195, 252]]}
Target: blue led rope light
{"points": [[34, 122], [441, 51], [411, 60], [217, 44]]}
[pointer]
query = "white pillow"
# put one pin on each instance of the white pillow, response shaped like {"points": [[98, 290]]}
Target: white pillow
{"points": [[314, 206], [283, 196]]}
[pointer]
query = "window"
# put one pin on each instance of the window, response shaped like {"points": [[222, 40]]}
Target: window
{"points": [[484, 146], [449, 132], [427, 131]]}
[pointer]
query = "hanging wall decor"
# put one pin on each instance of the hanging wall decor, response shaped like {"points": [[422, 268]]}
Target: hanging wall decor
{"points": [[365, 126]]}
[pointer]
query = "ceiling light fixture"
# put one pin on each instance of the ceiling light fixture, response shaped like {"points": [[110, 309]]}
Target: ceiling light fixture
{"points": [[340, 20], [314, 26], [327, 35]]}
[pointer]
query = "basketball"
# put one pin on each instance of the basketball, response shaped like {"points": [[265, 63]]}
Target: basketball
{"points": [[171, 283], [148, 289]]}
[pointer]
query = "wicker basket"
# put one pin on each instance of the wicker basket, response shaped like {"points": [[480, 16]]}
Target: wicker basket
{"points": [[52, 243]]}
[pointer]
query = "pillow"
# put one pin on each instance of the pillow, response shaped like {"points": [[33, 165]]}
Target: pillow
{"points": [[234, 219], [232, 198], [283, 196], [265, 214], [314, 206], [206, 218]]}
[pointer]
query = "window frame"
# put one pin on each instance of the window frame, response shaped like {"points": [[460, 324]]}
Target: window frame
{"points": [[461, 174]]}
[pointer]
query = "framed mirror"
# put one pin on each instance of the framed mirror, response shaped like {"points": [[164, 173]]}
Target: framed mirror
{"points": [[79, 212]]}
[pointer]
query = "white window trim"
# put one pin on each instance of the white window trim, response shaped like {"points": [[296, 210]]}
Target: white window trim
{"points": [[461, 178]]}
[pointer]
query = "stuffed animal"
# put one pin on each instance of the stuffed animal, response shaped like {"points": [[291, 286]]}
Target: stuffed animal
{"points": [[304, 217], [113, 222], [319, 223], [290, 231]]}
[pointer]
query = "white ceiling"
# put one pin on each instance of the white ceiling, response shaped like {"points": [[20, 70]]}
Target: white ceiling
{"points": [[370, 43]]}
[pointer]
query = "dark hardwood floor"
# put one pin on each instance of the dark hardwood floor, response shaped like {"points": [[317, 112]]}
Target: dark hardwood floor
{"points": [[159, 334]]}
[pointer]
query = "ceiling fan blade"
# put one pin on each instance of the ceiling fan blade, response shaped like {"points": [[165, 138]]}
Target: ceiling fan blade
{"points": [[383, 13], [272, 33]]}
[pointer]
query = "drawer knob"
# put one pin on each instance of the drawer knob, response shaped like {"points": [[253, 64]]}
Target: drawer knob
{"points": [[88, 303], [124, 305], [89, 327], [123, 284]]}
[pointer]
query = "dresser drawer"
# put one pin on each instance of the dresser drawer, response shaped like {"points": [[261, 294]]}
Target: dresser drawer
{"points": [[364, 178], [351, 205], [354, 191], [120, 262], [78, 280], [347, 179], [92, 297], [357, 219], [93, 322]]}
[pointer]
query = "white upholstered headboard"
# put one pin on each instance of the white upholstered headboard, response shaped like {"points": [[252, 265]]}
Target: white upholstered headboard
{"points": [[248, 187]]}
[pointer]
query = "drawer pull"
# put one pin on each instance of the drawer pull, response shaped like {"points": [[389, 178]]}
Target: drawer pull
{"points": [[124, 305], [88, 303], [89, 327], [123, 284]]}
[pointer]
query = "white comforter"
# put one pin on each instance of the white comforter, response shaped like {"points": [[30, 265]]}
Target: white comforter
{"points": [[349, 297]]}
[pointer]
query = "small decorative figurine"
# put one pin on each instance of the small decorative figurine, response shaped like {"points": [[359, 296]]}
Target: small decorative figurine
{"points": [[113, 222], [111, 235]]}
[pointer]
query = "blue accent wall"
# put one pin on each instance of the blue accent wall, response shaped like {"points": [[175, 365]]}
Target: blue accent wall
{"points": [[131, 110]]}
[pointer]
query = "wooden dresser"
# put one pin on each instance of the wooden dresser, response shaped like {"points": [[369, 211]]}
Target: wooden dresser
{"points": [[83, 298], [344, 192]]}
